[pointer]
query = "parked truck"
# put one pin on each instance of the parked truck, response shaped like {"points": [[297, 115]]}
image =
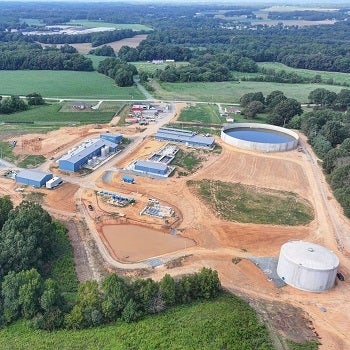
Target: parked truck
{"points": [[54, 182]]}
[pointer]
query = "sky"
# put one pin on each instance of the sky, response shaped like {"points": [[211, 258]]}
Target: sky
{"points": [[231, 2]]}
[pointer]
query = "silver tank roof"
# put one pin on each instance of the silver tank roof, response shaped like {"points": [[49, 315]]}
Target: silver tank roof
{"points": [[310, 255]]}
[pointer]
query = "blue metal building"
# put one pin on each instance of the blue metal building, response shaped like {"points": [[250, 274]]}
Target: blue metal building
{"points": [[34, 178], [115, 138], [184, 136], [151, 167], [77, 159]]}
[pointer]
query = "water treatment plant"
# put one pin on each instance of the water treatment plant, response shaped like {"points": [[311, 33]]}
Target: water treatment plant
{"points": [[260, 137]]}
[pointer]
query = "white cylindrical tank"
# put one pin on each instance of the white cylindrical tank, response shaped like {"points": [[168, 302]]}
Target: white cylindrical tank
{"points": [[103, 152], [307, 266]]}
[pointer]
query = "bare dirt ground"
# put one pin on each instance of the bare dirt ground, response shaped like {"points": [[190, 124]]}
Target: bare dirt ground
{"points": [[84, 48], [218, 241]]}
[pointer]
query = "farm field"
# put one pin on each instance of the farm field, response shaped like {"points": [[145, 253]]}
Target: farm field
{"points": [[64, 84], [231, 92], [205, 325], [50, 114], [337, 77]]}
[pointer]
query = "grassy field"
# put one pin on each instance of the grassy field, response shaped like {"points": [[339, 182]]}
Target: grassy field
{"points": [[225, 323], [201, 113], [100, 24], [337, 77], [64, 84], [231, 92], [6, 152], [150, 68], [50, 115], [249, 204], [31, 161], [95, 59]]}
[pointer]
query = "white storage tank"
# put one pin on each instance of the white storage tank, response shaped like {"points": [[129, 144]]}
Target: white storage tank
{"points": [[307, 266]]}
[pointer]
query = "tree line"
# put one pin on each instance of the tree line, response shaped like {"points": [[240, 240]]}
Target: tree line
{"points": [[280, 109], [328, 132], [29, 244], [22, 55], [122, 73], [15, 104], [96, 39]]}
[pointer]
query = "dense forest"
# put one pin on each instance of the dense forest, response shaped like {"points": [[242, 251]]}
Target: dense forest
{"points": [[23, 55], [34, 284]]}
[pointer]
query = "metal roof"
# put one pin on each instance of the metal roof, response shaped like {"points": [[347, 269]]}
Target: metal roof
{"points": [[83, 152], [309, 255], [152, 165], [176, 131], [196, 139], [35, 175]]}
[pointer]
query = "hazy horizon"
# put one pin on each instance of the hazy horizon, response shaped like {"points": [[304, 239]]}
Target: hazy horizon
{"points": [[212, 2]]}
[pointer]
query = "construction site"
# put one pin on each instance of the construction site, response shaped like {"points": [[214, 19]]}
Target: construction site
{"points": [[134, 226]]}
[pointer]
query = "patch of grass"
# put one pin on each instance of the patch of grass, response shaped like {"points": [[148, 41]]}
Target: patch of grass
{"points": [[231, 92], [31, 161], [64, 84], [225, 323], [249, 204], [6, 152], [151, 68], [202, 113], [95, 60], [50, 114], [302, 346], [187, 161]]}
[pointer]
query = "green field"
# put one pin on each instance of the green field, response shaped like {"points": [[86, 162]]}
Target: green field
{"points": [[249, 204], [225, 323], [51, 115], [338, 78], [100, 24], [64, 84], [150, 67], [201, 113], [231, 92], [95, 59]]}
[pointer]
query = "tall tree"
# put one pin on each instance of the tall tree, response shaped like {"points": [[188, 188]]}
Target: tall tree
{"points": [[6, 206]]}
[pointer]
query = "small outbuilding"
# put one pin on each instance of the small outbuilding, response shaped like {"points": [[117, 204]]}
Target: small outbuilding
{"points": [[33, 178], [307, 266]]}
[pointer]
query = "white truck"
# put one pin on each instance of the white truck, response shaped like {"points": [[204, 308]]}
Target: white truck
{"points": [[54, 182]]}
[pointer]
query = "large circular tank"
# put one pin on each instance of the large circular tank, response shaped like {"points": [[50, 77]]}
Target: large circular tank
{"points": [[259, 137], [307, 266]]}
